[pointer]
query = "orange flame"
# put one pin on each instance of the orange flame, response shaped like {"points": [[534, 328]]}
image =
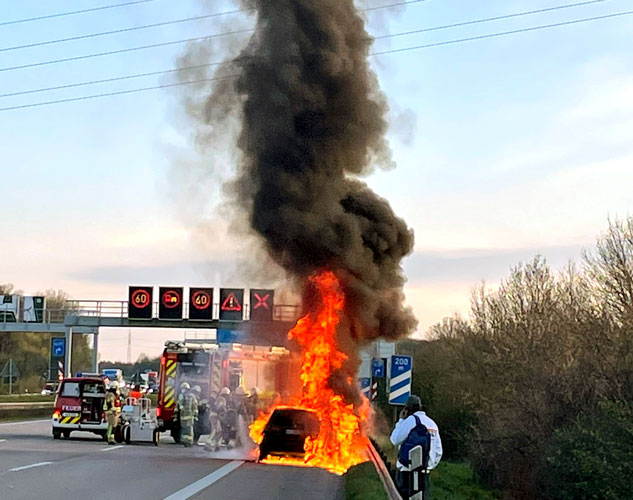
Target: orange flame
{"points": [[341, 442]]}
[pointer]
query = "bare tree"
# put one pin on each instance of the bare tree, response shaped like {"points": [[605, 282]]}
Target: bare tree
{"points": [[610, 267]]}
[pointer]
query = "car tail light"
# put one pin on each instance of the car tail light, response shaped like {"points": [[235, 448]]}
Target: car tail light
{"points": [[56, 414], [158, 411]]}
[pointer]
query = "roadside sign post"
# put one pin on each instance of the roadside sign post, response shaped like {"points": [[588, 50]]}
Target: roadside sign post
{"points": [[365, 386], [400, 379], [58, 354], [377, 368], [10, 371]]}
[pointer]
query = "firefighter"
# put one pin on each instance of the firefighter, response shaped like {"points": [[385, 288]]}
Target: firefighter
{"points": [[224, 410], [187, 413], [252, 402], [215, 431], [112, 407], [201, 425]]}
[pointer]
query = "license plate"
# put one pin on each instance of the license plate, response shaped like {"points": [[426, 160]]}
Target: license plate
{"points": [[293, 432], [66, 414]]}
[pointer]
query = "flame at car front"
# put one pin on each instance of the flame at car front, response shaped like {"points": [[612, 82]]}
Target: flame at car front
{"points": [[341, 442]]}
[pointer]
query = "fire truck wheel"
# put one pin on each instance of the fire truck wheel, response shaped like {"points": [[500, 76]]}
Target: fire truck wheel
{"points": [[175, 434], [66, 434], [57, 434], [156, 438], [118, 434]]}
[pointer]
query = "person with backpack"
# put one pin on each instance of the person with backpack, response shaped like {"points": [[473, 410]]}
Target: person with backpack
{"points": [[413, 429]]}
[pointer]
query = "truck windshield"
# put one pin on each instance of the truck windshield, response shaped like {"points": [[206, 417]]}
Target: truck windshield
{"points": [[70, 389], [194, 364]]}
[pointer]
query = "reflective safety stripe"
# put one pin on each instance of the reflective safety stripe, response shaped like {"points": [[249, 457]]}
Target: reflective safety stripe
{"points": [[170, 367], [169, 398], [70, 420]]}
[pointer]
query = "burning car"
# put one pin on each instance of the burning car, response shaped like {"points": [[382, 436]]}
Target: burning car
{"points": [[286, 432]]}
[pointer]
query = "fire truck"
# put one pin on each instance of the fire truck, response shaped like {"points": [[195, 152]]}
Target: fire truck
{"points": [[215, 366]]}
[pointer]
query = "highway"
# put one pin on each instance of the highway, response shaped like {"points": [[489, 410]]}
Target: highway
{"points": [[34, 466]]}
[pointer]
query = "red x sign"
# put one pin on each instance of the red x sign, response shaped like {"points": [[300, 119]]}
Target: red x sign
{"points": [[262, 300], [262, 304]]}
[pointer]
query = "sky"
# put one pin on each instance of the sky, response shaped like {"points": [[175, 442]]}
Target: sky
{"points": [[505, 147]]}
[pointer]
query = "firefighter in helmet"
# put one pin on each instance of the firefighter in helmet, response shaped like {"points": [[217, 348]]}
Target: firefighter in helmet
{"points": [[201, 425], [112, 407], [187, 413]]}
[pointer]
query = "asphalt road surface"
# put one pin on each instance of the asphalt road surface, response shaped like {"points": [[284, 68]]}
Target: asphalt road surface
{"points": [[34, 466]]}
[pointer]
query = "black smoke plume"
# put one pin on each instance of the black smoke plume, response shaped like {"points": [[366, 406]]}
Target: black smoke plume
{"points": [[312, 121]]}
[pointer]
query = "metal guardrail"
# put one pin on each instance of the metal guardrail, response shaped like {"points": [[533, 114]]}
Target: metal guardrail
{"points": [[383, 473], [27, 406], [118, 309]]}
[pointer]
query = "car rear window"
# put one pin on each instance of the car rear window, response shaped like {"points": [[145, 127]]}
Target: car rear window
{"points": [[70, 390], [294, 419]]}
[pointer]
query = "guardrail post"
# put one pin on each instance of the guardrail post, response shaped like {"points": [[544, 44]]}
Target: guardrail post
{"points": [[417, 481]]}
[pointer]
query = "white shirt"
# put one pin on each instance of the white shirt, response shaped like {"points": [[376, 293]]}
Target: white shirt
{"points": [[405, 426]]}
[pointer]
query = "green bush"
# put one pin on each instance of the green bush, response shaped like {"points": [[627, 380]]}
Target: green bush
{"points": [[593, 458]]}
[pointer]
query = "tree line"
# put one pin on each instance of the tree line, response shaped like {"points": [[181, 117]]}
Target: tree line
{"points": [[535, 387], [30, 352]]}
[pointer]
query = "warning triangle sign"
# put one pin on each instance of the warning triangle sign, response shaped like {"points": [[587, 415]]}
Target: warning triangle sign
{"points": [[231, 303]]}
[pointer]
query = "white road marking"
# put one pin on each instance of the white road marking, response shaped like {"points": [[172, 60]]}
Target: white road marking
{"points": [[205, 482], [110, 448], [3, 440], [26, 422], [24, 467]]}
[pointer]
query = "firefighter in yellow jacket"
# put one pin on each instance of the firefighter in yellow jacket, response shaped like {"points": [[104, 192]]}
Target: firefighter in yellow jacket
{"points": [[187, 413], [112, 408]]}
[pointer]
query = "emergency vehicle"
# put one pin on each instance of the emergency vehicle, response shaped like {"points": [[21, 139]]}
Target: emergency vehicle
{"points": [[215, 366], [79, 406]]}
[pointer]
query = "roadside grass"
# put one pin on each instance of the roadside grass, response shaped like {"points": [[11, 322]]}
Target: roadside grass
{"points": [[26, 398], [455, 481], [362, 483], [5, 419]]}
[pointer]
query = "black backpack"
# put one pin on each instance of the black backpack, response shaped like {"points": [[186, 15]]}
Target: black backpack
{"points": [[419, 436]]}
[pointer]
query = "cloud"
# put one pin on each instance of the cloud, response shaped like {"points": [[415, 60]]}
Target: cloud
{"points": [[173, 274], [472, 266]]}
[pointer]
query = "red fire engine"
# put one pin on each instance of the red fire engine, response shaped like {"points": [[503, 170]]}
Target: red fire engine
{"points": [[213, 367]]}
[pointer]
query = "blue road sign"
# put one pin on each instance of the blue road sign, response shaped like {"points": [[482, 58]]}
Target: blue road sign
{"points": [[365, 386], [377, 368], [59, 347], [230, 336], [400, 379]]}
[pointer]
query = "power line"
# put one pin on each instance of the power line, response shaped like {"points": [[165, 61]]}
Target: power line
{"points": [[502, 33], [161, 44], [392, 51], [167, 23], [120, 92], [109, 80], [121, 51], [489, 19], [154, 73], [71, 13], [122, 30]]}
